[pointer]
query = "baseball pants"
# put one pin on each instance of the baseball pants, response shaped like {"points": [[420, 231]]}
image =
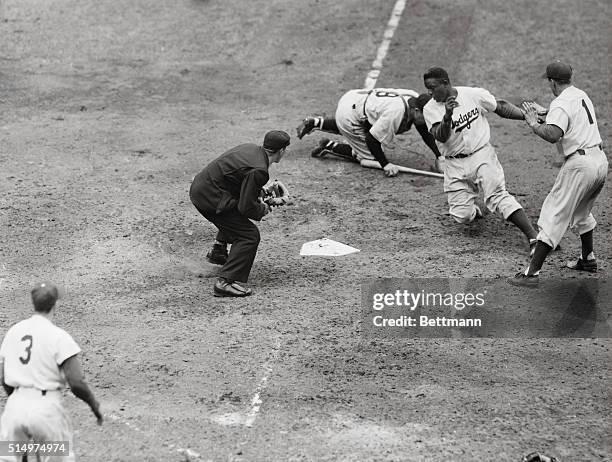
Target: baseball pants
{"points": [[30, 416], [464, 179], [238, 230], [349, 118], [571, 199]]}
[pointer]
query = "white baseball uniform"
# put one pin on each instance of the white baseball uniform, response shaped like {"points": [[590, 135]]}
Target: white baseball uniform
{"points": [[471, 162], [382, 108], [583, 173], [32, 352]]}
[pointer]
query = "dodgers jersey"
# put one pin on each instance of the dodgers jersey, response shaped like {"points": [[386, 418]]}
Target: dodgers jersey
{"points": [[469, 128], [572, 111], [384, 109], [33, 350]]}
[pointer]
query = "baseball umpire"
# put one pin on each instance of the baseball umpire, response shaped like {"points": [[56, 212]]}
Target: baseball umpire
{"points": [[369, 120], [571, 123], [456, 118], [227, 193], [37, 358]]}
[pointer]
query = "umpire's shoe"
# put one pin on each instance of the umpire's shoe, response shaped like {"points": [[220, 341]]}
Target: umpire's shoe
{"points": [[217, 255], [227, 288], [523, 280], [583, 265]]}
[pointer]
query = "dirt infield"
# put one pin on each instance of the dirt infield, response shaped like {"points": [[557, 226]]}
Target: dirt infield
{"points": [[108, 111]]}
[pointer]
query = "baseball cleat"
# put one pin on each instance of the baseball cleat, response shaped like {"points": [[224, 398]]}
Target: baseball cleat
{"points": [[306, 126], [217, 255], [522, 280], [225, 288], [583, 265], [321, 149]]}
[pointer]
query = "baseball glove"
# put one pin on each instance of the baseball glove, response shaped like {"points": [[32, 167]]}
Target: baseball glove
{"points": [[275, 194], [306, 126], [537, 457]]}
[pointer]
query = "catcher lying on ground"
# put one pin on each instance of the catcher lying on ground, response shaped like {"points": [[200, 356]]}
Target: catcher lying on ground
{"points": [[369, 120]]}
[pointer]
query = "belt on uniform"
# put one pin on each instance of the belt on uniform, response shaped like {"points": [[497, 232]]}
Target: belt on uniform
{"points": [[582, 152], [42, 392], [463, 155]]}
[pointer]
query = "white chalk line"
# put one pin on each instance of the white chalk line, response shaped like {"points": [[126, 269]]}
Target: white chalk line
{"points": [[191, 454], [372, 77], [370, 82], [256, 401]]}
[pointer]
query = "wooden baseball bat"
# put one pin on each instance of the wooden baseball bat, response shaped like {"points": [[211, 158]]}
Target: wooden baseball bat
{"points": [[374, 164]]}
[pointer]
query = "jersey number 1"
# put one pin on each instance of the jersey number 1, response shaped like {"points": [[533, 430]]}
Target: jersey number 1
{"points": [[28, 349], [588, 112]]}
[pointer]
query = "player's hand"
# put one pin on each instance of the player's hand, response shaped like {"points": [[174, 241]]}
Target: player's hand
{"points": [[440, 164], [531, 114], [98, 414], [275, 201], [450, 104], [541, 110], [391, 170]]}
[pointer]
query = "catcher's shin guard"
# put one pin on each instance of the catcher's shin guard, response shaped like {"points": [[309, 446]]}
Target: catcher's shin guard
{"points": [[333, 148]]}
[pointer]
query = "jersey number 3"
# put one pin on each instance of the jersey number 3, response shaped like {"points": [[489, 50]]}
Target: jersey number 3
{"points": [[28, 349]]}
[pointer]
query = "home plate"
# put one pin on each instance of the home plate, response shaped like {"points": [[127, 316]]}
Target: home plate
{"points": [[326, 247]]}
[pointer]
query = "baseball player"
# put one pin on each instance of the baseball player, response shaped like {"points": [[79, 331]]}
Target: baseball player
{"points": [[456, 118], [369, 120], [37, 359], [572, 124], [227, 193]]}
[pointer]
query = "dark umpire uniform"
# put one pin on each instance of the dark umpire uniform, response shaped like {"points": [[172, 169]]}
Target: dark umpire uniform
{"points": [[227, 194]]}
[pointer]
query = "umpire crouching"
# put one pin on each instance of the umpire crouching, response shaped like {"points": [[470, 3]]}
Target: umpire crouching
{"points": [[227, 193]]}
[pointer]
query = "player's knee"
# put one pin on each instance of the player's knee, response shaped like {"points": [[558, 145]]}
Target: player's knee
{"points": [[463, 213]]}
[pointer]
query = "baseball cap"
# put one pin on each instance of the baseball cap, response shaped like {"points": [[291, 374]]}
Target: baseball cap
{"points": [[276, 140], [558, 71], [44, 296]]}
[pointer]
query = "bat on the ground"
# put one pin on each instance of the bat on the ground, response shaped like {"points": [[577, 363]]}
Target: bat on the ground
{"points": [[375, 164]]}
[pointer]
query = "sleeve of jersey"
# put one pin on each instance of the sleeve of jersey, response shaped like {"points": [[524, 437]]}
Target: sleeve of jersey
{"points": [[385, 128], [249, 204], [487, 100], [432, 114], [557, 116], [66, 348], [3, 348]]}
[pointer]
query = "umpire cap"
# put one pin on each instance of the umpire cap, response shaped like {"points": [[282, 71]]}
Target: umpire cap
{"points": [[44, 296], [276, 140]]}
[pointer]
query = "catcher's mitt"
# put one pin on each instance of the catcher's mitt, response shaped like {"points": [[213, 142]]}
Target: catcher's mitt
{"points": [[275, 194], [306, 126], [537, 457]]}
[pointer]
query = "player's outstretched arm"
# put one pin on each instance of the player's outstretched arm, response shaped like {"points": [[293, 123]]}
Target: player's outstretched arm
{"points": [[548, 132], [74, 376], [507, 110], [9, 390], [376, 149]]}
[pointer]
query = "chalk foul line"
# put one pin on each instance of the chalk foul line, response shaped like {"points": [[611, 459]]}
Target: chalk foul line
{"points": [[372, 77]]}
